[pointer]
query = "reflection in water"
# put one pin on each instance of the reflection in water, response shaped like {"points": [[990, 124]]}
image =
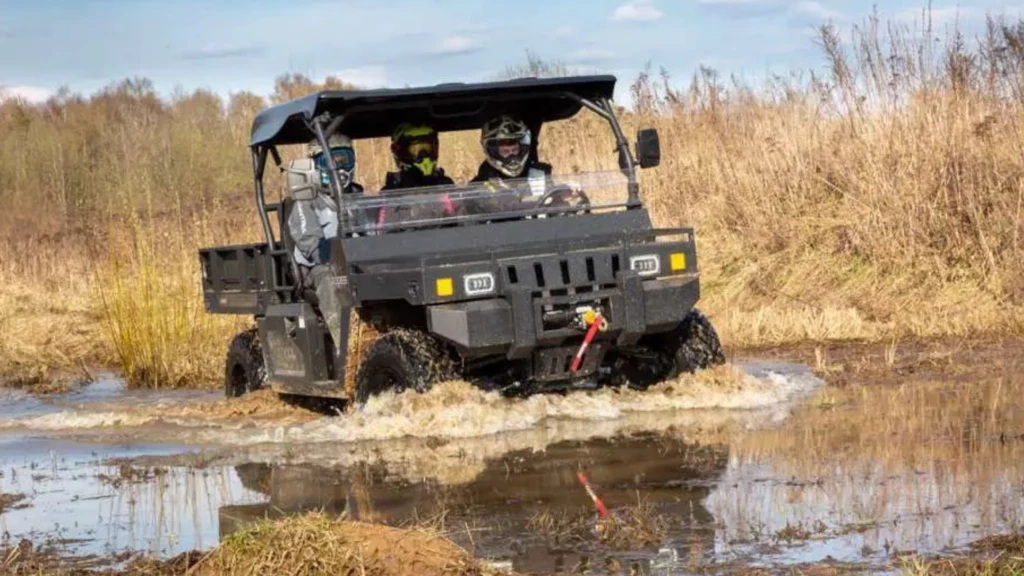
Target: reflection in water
{"points": [[96, 508], [167, 510], [876, 470], [489, 514], [857, 474]]}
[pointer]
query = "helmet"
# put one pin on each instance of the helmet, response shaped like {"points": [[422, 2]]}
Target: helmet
{"points": [[506, 143], [341, 150], [415, 146]]}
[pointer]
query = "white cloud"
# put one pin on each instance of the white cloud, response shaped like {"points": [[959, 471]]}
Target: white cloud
{"points": [[364, 76], [814, 9], [591, 55], [31, 94], [565, 31], [578, 70], [637, 11], [455, 44]]}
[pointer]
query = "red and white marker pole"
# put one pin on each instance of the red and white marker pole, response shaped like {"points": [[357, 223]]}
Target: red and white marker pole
{"points": [[601, 510]]}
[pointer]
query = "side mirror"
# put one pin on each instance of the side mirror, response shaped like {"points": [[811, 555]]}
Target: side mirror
{"points": [[648, 148]]}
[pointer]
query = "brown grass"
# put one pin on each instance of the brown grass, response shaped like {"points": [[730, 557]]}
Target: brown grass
{"points": [[12, 502], [628, 527], [317, 544], [309, 545], [881, 198], [1008, 561]]}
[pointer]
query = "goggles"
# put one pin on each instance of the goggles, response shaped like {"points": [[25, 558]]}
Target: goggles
{"points": [[496, 142], [418, 149], [344, 159]]}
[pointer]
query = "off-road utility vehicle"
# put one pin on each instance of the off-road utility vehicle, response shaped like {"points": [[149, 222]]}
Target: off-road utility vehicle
{"points": [[523, 286]]}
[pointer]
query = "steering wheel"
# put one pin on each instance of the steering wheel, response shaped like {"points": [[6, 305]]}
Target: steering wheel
{"points": [[549, 199]]}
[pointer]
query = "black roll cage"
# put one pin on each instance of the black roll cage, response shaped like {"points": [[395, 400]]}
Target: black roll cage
{"points": [[316, 125]]}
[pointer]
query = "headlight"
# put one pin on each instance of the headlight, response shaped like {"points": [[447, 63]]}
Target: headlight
{"points": [[479, 283], [646, 265]]}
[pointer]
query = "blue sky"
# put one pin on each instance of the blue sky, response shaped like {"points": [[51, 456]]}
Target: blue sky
{"points": [[231, 45]]}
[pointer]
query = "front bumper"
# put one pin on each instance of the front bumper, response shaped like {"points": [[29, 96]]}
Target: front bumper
{"points": [[514, 325]]}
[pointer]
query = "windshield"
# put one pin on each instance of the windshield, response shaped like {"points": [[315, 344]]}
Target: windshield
{"points": [[562, 195]]}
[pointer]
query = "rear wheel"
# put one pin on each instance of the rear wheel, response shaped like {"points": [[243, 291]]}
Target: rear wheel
{"points": [[244, 369], [402, 360]]}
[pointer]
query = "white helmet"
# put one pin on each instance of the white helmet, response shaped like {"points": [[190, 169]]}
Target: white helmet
{"points": [[336, 140], [510, 136], [341, 150]]}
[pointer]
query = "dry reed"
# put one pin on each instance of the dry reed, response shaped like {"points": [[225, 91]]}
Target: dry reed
{"points": [[883, 198]]}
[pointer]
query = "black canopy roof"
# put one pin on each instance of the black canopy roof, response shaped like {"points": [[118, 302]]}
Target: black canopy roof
{"points": [[375, 113]]}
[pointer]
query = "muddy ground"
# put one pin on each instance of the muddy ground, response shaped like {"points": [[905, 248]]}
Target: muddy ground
{"points": [[861, 458]]}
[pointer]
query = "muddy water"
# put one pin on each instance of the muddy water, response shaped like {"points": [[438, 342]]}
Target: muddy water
{"points": [[759, 464]]}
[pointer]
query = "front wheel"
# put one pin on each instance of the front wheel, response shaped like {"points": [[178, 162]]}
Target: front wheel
{"points": [[244, 369], [401, 360], [691, 346]]}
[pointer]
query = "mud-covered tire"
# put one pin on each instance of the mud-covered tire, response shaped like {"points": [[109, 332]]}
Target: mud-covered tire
{"points": [[244, 369], [691, 346], [402, 360]]}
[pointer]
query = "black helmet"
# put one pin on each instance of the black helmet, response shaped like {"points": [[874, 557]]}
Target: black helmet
{"points": [[415, 146], [506, 142]]}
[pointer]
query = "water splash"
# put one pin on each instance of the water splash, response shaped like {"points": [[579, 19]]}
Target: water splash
{"points": [[452, 410]]}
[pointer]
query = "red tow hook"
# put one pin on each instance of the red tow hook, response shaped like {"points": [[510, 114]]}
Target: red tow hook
{"points": [[597, 323]]}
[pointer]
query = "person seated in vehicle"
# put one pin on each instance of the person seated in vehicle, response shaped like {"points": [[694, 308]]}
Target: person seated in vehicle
{"points": [[313, 222], [344, 155], [414, 148], [507, 143]]}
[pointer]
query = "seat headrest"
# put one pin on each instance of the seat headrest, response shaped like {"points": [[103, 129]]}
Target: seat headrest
{"points": [[302, 179]]}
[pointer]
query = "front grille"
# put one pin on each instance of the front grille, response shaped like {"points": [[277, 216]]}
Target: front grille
{"points": [[563, 274]]}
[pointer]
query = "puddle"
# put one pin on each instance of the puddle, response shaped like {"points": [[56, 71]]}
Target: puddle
{"points": [[749, 469], [105, 509], [89, 507], [874, 471], [97, 403]]}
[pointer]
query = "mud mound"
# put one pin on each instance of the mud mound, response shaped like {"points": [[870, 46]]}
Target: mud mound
{"points": [[317, 544]]}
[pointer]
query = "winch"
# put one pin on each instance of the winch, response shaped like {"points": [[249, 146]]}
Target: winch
{"points": [[591, 320]]}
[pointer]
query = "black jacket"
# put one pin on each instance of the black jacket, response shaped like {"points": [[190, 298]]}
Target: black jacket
{"points": [[487, 172], [415, 179], [427, 211]]}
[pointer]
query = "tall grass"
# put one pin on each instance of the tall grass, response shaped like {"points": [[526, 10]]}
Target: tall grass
{"points": [[153, 313], [880, 197]]}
